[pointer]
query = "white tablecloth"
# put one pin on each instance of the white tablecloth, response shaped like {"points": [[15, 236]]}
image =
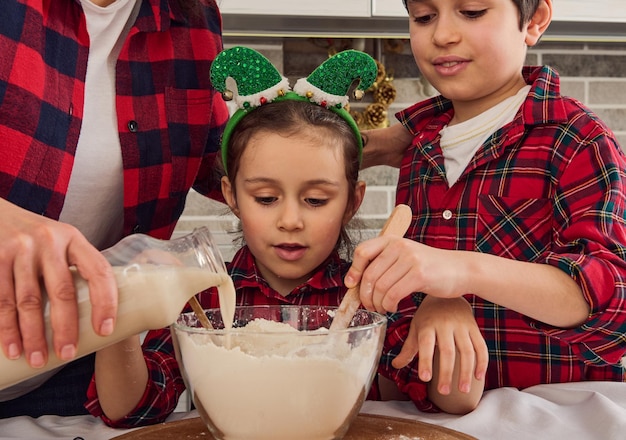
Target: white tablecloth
{"points": [[575, 411]]}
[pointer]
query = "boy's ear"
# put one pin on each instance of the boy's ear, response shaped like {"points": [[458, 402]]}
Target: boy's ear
{"points": [[539, 22], [359, 193], [228, 191]]}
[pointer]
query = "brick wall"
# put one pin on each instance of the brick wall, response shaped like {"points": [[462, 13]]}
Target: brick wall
{"points": [[593, 73]]}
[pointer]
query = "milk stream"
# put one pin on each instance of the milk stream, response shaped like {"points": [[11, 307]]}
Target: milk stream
{"points": [[150, 297]]}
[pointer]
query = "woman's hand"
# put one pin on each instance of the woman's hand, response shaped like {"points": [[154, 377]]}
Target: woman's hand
{"points": [[36, 251]]}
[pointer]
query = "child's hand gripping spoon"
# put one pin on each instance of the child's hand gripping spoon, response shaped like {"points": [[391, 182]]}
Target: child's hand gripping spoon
{"points": [[397, 225]]}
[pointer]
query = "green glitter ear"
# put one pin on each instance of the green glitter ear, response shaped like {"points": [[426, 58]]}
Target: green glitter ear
{"points": [[258, 81], [329, 84]]}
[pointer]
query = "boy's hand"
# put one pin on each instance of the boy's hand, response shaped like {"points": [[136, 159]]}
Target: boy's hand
{"points": [[448, 326], [391, 268]]}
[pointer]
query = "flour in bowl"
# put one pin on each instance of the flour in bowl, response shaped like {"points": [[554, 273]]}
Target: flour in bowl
{"points": [[266, 386]]}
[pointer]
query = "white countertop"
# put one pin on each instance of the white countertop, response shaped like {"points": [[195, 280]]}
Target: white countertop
{"points": [[575, 411]]}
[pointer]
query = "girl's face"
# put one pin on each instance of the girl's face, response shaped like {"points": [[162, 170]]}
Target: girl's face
{"points": [[471, 51], [291, 195]]}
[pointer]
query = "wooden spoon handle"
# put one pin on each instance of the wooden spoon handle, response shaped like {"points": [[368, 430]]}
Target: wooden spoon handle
{"points": [[397, 225], [199, 312]]}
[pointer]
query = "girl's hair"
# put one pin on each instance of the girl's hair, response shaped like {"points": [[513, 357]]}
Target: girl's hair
{"points": [[303, 118], [526, 8]]}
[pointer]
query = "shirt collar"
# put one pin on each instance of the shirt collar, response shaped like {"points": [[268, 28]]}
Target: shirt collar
{"points": [[244, 272], [543, 105]]}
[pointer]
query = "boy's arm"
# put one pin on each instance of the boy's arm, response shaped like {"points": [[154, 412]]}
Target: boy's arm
{"points": [[385, 146], [522, 286], [404, 266], [443, 330], [455, 401], [453, 355], [580, 278]]}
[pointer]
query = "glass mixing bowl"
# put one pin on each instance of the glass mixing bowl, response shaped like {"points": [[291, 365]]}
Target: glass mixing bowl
{"points": [[278, 374]]}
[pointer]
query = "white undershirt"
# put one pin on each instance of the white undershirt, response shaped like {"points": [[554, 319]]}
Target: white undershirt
{"points": [[94, 200], [460, 142], [95, 197]]}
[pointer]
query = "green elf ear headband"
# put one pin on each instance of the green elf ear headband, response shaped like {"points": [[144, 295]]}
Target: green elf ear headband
{"points": [[259, 82]]}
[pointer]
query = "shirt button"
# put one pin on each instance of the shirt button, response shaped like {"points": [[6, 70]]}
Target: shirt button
{"points": [[447, 214], [133, 126]]}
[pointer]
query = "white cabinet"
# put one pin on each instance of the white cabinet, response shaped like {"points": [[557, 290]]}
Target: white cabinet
{"points": [[574, 20], [388, 8], [325, 8], [564, 10], [585, 10]]}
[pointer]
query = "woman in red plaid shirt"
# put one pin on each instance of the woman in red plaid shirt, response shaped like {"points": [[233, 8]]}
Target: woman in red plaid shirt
{"points": [[107, 119], [519, 198]]}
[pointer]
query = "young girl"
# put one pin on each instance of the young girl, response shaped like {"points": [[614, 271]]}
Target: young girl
{"points": [[292, 179], [291, 162], [291, 176]]}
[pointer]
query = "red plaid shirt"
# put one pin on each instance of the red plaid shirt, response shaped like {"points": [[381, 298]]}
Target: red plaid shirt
{"points": [[548, 188], [169, 117], [165, 383]]}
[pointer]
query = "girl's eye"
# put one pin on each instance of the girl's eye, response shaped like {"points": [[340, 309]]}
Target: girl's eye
{"points": [[265, 200], [316, 202], [474, 14]]}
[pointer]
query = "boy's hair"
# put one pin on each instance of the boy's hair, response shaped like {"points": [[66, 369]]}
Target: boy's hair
{"points": [[526, 8], [288, 118]]}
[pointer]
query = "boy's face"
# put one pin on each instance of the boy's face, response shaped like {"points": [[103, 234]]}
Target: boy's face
{"points": [[471, 51]]}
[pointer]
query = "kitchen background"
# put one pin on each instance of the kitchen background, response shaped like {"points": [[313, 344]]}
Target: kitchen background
{"points": [[592, 69]]}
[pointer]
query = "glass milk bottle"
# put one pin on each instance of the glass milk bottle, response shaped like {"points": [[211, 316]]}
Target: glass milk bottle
{"points": [[155, 278]]}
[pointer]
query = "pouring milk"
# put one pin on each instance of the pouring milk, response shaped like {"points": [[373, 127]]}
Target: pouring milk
{"points": [[152, 291]]}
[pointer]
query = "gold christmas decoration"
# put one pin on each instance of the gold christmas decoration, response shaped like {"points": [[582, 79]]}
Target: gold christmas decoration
{"points": [[394, 45], [227, 95], [375, 115], [358, 118], [380, 76], [383, 93]]}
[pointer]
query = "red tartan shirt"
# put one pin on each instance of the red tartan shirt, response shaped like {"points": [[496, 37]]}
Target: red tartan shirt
{"points": [[169, 116], [165, 384], [547, 188]]}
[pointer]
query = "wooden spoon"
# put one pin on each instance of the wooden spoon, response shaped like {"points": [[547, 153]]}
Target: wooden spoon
{"points": [[199, 312], [397, 224]]}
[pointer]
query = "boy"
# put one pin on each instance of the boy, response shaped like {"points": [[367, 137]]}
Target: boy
{"points": [[518, 195]]}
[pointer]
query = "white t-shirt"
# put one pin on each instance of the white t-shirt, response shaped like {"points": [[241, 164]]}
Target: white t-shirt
{"points": [[95, 198], [94, 201], [460, 142]]}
